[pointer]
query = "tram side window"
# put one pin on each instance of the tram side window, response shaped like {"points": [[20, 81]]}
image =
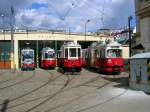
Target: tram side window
{"points": [[79, 52], [46, 55], [58, 54], [72, 52], [102, 53], [97, 53], [66, 52]]}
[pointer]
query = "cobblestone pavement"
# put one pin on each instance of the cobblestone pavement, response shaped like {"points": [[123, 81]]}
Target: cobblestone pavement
{"points": [[51, 91]]}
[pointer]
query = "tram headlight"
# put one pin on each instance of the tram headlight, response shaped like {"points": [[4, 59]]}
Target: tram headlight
{"points": [[108, 61]]}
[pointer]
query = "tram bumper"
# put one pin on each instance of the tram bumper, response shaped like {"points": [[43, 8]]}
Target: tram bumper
{"points": [[27, 67]]}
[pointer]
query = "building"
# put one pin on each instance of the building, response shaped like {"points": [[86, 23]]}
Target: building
{"points": [[141, 40], [37, 40]]}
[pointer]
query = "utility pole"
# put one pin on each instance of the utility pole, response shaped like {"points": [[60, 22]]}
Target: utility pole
{"points": [[2, 15], [4, 52], [37, 54], [12, 38], [129, 26], [87, 21]]}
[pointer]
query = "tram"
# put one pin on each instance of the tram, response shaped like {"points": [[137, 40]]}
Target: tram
{"points": [[109, 57], [27, 59], [105, 57], [48, 59], [84, 57], [70, 57]]}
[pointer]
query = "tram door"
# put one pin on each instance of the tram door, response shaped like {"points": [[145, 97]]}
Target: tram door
{"points": [[5, 62]]}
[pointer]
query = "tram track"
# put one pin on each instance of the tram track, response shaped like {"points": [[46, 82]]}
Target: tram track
{"points": [[32, 91], [90, 107], [22, 81], [49, 97], [36, 89], [53, 95], [10, 79], [93, 106], [73, 100], [29, 101]]}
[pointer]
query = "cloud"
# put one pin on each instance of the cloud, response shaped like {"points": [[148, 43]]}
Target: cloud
{"points": [[64, 14]]}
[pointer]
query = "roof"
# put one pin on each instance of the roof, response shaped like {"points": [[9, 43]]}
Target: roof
{"points": [[27, 49], [113, 43], [47, 48], [141, 55]]}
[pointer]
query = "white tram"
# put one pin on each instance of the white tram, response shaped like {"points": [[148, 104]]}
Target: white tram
{"points": [[27, 59]]}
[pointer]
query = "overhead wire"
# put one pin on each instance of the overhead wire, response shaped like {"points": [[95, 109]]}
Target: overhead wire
{"points": [[102, 12], [62, 19], [74, 4]]}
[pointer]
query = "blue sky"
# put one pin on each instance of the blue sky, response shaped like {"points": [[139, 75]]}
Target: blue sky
{"points": [[69, 14], [38, 5]]}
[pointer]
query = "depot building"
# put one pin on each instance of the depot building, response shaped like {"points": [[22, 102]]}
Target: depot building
{"points": [[11, 44]]}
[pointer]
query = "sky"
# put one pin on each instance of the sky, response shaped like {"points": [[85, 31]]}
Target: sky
{"points": [[68, 15]]}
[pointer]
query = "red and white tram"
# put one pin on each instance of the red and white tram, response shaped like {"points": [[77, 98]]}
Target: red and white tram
{"points": [[70, 57], [106, 57], [27, 59], [48, 59]]}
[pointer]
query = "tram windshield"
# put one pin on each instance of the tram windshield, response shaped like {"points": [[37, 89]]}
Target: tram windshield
{"points": [[114, 53], [49, 55], [72, 52], [27, 55]]}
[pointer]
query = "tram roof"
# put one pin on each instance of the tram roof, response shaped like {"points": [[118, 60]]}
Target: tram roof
{"points": [[27, 49], [103, 43], [113, 44], [47, 49], [69, 44]]}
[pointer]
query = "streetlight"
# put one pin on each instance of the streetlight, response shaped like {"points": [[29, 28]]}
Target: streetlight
{"points": [[87, 21], [129, 30]]}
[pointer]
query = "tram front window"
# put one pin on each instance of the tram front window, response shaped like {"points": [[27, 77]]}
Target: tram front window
{"points": [[27, 57], [47, 55], [114, 53], [72, 52]]}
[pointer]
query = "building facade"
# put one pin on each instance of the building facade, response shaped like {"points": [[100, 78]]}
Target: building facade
{"points": [[36, 41], [141, 40]]}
